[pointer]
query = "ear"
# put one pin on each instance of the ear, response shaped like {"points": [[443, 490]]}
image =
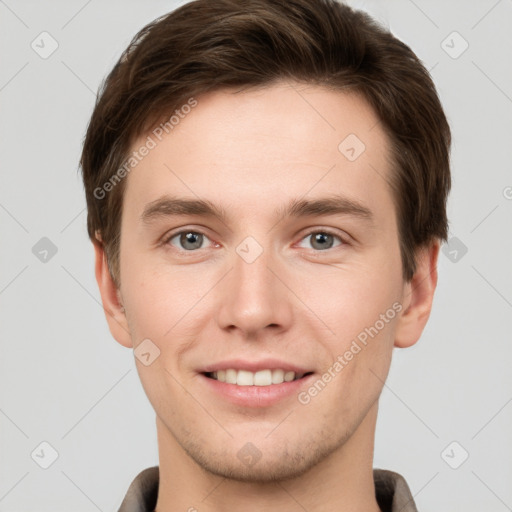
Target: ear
{"points": [[111, 299], [417, 297]]}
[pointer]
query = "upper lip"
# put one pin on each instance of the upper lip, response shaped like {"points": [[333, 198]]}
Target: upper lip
{"points": [[254, 366]]}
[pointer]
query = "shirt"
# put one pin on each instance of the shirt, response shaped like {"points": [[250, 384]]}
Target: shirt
{"points": [[391, 490]]}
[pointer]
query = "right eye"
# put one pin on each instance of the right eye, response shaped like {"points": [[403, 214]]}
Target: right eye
{"points": [[188, 240]]}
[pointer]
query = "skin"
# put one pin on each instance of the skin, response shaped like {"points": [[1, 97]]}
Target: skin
{"points": [[253, 152]]}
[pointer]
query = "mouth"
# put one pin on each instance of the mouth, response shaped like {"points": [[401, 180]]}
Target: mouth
{"points": [[255, 383], [266, 377]]}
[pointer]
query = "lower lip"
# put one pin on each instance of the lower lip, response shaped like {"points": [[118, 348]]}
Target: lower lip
{"points": [[256, 396]]}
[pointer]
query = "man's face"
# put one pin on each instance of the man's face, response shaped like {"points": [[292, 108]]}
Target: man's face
{"points": [[261, 288]]}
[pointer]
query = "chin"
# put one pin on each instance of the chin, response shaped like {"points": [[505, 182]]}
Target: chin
{"points": [[272, 464]]}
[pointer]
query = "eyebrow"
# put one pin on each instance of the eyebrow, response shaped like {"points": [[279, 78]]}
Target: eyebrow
{"points": [[168, 206]]}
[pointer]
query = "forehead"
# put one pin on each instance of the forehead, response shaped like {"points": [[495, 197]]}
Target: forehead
{"points": [[254, 150]]}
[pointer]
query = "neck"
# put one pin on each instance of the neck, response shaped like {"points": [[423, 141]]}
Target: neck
{"points": [[342, 481]]}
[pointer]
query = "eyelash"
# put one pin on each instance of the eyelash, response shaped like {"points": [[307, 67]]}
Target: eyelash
{"points": [[168, 238]]}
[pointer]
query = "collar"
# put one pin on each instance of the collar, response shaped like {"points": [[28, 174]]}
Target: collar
{"points": [[391, 490]]}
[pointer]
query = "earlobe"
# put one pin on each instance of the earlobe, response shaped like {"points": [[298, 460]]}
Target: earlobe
{"points": [[110, 297], [418, 297]]}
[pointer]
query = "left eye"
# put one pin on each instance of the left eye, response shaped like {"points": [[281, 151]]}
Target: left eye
{"points": [[193, 239], [322, 240]]}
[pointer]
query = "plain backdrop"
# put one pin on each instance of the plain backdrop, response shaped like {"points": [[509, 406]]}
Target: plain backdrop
{"points": [[445, 411]]}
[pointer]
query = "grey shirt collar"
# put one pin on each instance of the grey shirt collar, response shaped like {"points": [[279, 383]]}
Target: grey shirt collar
{"points": [[391, 490]]}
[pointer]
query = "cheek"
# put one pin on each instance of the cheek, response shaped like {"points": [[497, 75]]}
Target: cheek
{"points": [[363, 314], [148, 289], [360, 361], [354, 300], [168, 306]]}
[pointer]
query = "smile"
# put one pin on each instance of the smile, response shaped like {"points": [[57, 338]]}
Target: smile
{"points": [[265, 377]]}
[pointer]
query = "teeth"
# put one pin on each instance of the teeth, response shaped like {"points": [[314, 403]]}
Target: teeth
{"points": [[230, 377], [260, 378], [263, 378], [289, 376], [277, 376], [244, 378]]}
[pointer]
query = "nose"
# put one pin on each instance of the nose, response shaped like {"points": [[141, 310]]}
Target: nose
{"points": [[255, 298]]}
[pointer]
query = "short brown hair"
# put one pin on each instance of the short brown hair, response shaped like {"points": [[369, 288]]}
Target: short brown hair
{"points": [[205, 45]]}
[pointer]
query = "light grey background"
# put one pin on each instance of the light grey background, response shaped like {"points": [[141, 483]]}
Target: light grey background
{"points": [[64, 380]]}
